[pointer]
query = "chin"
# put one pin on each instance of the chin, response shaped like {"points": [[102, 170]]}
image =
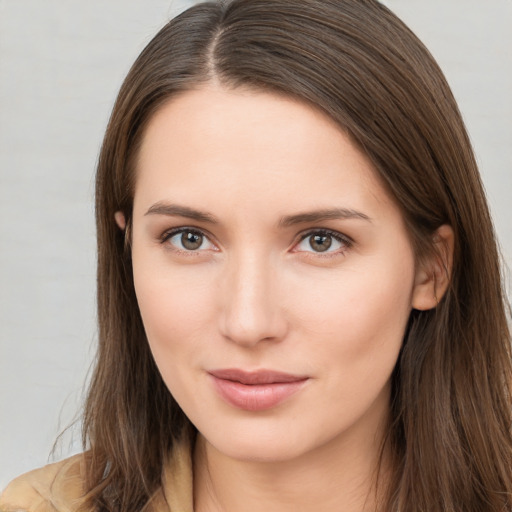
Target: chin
{"points": [[259, 450], [261, 440]]}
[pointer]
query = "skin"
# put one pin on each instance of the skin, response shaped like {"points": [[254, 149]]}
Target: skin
{"points": [[257, 293]]}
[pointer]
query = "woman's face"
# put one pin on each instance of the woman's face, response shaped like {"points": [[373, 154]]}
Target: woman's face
{"points": [[273, 272]]}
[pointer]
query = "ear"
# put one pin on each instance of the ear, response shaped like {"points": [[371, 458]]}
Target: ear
{"points": [[120, 220], [433, 275]]}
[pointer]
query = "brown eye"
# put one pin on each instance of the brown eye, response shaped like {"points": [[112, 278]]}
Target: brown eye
{"points": [[191, 241], [323, 242], [188, 240], [320, 243]]}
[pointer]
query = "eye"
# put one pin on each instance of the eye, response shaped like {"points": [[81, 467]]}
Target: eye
{"points": [[189, 240], [322, 242]]}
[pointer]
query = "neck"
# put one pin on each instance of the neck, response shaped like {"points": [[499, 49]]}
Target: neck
{"points": [[340, 475]]}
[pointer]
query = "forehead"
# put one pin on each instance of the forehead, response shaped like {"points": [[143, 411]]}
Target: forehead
{"points": [[253, 149]]}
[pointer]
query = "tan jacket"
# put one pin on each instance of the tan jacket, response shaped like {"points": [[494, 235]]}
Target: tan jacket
{"points": [[59, 487]]}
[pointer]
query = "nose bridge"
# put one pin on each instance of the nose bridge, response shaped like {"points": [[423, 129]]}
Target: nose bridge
{"points": [[251, 309]]}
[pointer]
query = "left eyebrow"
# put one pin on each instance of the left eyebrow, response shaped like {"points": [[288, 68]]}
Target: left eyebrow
{"points": [[322, 215], [176, 210]]}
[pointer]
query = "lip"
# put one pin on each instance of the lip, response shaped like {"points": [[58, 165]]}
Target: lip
{"points": [[256, 390]]}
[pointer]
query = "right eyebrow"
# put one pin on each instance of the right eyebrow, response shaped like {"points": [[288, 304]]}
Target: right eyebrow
{"points": [[322, 215], [176, 210]]}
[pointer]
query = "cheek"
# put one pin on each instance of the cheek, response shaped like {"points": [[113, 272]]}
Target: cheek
{"points": [[359, 318], [175, 308], [355, 302], [176, 311]]}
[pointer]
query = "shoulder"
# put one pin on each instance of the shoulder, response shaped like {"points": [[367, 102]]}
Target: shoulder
{"points": [[54, 488]]}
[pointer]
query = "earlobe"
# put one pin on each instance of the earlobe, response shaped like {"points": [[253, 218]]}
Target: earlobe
{"points": [[120, 220], [433, 275]]}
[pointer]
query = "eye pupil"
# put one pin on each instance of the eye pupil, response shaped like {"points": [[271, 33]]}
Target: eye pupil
{"points": [[191, 241], [320, 243]]}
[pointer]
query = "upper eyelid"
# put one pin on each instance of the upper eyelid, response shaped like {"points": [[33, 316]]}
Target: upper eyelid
{"points": [[168, 233], [335, 234]]}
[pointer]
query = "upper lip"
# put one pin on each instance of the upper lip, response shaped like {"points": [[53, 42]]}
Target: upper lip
{"points": [[256, 377]]}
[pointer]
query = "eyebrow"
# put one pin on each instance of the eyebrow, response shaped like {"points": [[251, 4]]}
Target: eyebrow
{"points": [[322, 215], [175, 210]]}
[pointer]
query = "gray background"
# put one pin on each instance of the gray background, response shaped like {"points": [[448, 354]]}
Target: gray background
{"points": [[61, 64]]}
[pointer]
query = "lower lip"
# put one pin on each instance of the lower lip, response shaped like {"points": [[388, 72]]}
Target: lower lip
{"points": [[256, 397]]}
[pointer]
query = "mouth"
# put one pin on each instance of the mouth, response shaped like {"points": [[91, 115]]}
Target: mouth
{"points": [[257, 390]]}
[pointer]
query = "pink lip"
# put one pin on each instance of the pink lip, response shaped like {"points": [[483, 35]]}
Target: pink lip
{"points": [[258, 390]]}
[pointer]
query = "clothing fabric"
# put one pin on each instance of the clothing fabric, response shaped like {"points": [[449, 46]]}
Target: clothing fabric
{"points": [[59, 487]]}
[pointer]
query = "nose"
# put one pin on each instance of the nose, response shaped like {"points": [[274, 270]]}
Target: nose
{"points": [[251, 309]]}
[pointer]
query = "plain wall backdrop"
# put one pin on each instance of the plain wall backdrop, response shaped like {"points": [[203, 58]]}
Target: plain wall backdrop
{"points": [[61, 64]]}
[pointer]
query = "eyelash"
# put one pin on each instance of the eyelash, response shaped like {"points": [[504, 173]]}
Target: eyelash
{"points": [[340, 238]]}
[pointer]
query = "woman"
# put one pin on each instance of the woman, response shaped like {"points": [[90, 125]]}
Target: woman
{"points": [[300, 302]]}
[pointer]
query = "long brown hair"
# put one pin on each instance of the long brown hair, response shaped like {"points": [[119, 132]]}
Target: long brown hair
{"points": [[353, 59]]}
